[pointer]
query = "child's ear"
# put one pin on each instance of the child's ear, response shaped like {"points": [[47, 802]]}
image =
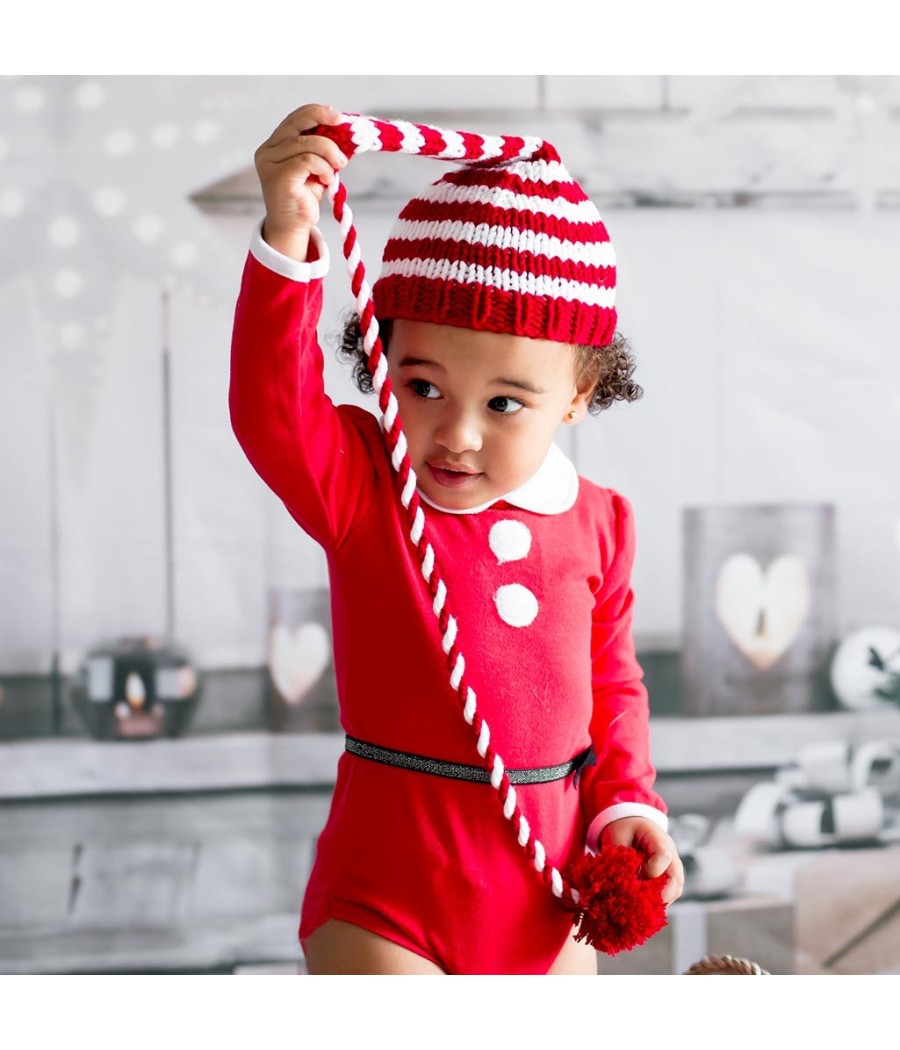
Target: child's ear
{"points": [[587, 376], [582, 398]]}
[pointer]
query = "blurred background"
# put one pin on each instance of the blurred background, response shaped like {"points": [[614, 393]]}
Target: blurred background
{"points": [[168, 716]]}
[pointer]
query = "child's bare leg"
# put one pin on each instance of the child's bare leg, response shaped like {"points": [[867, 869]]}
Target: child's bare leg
{"points": [[341, 948], [576, 957]]}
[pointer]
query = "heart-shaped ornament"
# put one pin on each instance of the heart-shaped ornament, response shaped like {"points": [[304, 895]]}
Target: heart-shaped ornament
{"points": [[762, 611], [298, 658]]}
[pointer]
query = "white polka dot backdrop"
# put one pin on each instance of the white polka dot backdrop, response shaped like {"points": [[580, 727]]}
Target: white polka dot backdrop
{"points": [[109, 201], [185, 253], [90, 95], [29, 99], [164, 136], [12, 203], [96, 184], [67, 283], [205, 131], [63, 231], [71, 335], [148, 228], [120, 142], [516, 605]]}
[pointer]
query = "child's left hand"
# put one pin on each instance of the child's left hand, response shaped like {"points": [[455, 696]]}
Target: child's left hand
{"points": [[657, 846]]}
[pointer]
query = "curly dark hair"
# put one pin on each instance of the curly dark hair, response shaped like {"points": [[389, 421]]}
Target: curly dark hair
{"points": [[609, 368]]}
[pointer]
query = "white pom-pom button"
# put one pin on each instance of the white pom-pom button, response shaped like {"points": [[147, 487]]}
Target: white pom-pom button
{"points": [[516, 605], [510, 540]]}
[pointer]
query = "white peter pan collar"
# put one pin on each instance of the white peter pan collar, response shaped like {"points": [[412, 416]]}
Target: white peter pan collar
{"points": [[551, 490]]}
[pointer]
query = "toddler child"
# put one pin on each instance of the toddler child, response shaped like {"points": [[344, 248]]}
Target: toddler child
{"points": [[495, 306]]}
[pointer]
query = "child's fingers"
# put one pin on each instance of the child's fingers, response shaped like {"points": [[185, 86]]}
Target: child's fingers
{"points": [[295, 145], [308, 116], [658, 861], [675, 884], [323, 147], [310, 168]]}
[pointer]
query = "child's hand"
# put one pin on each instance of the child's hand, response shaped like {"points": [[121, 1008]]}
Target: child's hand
{"points": [[294, 168], [658, 848]]}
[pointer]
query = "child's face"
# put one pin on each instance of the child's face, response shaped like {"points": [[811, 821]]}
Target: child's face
{"points": [[459, 406]]}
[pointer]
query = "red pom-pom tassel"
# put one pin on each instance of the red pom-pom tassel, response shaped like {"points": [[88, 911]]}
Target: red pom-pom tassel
{"points": [[617, 909]]}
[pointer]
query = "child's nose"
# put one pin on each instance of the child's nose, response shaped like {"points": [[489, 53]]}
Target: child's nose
{"points": [[458, 431]]}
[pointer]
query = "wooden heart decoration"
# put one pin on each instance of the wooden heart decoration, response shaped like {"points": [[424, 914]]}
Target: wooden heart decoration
{"points": [[762, 611], [298, 658]]}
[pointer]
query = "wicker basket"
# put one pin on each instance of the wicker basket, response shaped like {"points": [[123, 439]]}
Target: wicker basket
{"points": [[726, 964]]}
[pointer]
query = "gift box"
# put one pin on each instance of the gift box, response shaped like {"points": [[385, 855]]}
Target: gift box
{"points": [[847, 912], [754, 928]]}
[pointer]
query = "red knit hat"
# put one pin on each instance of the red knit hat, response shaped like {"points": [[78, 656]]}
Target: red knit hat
{"points": [[508, 243]]}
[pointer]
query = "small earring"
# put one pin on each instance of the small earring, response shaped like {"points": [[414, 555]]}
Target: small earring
{"points": [[573, 413]]}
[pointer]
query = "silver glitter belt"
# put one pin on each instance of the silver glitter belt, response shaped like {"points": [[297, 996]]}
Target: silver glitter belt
{"points": [[460, 771]]}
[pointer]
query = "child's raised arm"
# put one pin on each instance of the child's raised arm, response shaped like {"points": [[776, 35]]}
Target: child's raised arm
{"points": [[315, 456]]}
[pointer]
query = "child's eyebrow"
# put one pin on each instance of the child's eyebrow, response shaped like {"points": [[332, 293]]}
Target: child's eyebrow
{"points": [[409, 360], [520, 384]]}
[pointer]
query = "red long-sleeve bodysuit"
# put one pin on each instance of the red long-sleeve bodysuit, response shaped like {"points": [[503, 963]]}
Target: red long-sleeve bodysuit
{"points": [[540, 584]]}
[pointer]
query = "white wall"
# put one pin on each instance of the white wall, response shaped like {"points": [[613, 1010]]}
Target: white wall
{"points": [[766, 341]]}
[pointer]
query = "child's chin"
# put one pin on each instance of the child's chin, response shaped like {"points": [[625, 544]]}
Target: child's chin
{"points": [[454, 500]]}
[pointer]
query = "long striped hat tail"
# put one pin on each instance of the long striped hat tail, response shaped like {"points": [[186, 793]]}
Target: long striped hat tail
{"points": [[507, 243]]}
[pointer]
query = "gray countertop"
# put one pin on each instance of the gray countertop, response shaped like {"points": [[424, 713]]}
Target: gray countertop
{"points": [[33, 769]]}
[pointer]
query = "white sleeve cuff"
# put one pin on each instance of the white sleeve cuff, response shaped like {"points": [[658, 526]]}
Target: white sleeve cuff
{"points": [[623, 809], [263, 252]]}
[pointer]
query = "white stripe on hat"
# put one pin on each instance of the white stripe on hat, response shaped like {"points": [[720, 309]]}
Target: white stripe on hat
{"points": [[536, 171], [450, 193], [364, 134], [593, 253], [532, 144], [454, 143], [506, 280], [491, 146], [539, 171], [413, 139]]}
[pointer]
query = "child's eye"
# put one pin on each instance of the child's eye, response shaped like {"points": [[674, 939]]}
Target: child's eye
{"points": [[514, 405], [416, 384]]}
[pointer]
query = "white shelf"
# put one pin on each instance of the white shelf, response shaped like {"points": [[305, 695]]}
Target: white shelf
{"points": [[682, 745], [57, 768], [221, 762]]}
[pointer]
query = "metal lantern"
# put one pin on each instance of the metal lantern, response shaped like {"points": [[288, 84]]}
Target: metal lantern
{"points": [[136, 688]]}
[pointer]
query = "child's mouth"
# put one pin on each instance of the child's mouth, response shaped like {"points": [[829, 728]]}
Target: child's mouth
{"points": [[452, 479]]}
